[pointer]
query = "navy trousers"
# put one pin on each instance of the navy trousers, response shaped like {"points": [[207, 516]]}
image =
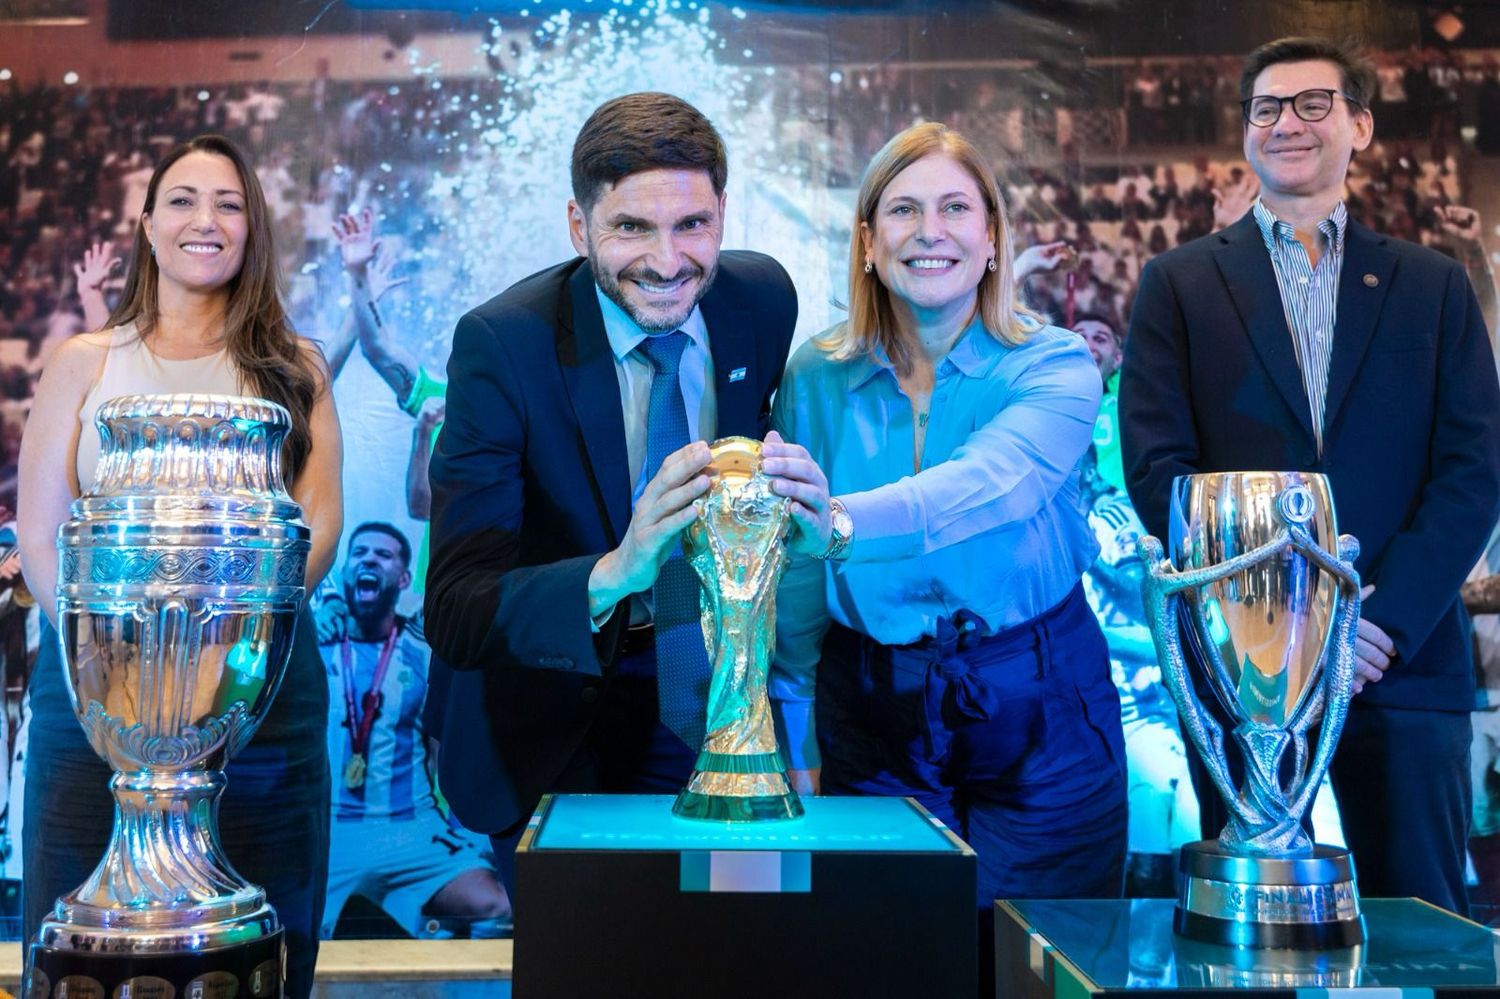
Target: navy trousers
{"points": [[1013, 740], [273, 816]]}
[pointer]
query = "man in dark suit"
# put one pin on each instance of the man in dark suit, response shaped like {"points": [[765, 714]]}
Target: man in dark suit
{"points": [[1298, 339], [555, 502]]}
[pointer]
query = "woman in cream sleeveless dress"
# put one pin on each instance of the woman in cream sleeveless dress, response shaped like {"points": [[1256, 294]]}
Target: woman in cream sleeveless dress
{"points": [[202, 256]]}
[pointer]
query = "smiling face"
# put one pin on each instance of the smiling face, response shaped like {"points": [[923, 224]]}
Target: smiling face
{"points": [[930, 237], [652, 242], [374, 574], [198, 226], [1305, 159]]}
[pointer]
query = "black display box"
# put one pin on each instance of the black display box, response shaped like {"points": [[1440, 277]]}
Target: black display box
{"points": [[868, 897]]}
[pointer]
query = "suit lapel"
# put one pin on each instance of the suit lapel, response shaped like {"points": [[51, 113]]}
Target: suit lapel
{"points": [[1360, 299], [1246, 268], [588, 369], [732, 344]]}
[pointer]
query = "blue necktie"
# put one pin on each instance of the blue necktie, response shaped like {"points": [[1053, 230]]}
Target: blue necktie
{"points": [[682, 667]]}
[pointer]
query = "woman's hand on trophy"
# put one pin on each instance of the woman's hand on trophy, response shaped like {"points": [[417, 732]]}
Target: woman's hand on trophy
{"points": [[666, 507], [1373, 650], [796, 476]]}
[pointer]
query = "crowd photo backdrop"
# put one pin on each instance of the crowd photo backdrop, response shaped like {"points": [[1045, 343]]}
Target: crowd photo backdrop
{"points": [[425, 145]]}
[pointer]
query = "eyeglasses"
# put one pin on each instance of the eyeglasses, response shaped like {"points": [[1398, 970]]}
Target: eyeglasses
{"points": [[1310, 105]]}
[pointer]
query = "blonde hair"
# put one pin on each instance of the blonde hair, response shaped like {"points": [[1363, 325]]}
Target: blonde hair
{"points": [[872, 320]]}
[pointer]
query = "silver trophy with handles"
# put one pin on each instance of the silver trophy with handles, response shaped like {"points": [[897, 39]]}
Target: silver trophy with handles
{"points": [[180, 578], [1265, 591]]}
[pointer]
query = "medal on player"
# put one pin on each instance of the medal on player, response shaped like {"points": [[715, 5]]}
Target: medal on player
{"points": [[360, 723]]}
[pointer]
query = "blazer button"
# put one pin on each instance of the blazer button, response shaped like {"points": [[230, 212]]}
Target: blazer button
{"points": [[589, 695]]}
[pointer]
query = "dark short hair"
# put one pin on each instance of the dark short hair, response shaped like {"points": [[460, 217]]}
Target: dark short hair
{"points": [[1356, 72], [644, 131], [1094, 317], [381, 527]]}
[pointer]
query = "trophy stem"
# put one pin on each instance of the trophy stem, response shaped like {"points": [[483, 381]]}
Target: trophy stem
{"points": [[740, 775], [164, 865]]}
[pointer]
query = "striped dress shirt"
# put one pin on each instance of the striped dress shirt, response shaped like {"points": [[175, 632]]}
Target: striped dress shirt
{"points": [[1309, 297]]}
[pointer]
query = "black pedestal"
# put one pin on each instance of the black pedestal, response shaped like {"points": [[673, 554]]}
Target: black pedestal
{"points": [[866, 897], [250, 971]]}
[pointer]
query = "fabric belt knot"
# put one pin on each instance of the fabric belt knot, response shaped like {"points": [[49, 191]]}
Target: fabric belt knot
{"points": [[955, 693], [682, 667]]}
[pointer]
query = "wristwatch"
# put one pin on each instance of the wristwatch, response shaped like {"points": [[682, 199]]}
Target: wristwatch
{"points": [[843, 530]]}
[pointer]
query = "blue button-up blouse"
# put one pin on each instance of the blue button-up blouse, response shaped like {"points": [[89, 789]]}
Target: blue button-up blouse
{"points": [[992, 522]]}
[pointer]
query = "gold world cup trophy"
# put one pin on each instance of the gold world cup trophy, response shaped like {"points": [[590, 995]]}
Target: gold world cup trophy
{"points": [[737, 546], [1272, 616]]}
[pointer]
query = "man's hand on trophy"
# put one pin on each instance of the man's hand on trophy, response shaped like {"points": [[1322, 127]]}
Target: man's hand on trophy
{"points": [[796, 476], [1373, 650], [666, 507], [808, 781]]}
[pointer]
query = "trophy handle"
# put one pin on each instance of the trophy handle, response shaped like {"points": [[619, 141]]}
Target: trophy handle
{"points": [[1161, 593], [1172, 583], [1331, 699]]}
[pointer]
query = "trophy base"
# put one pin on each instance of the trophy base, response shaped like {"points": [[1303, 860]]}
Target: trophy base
{"points": [[727, 788], [73, 969], [1299, 902]]}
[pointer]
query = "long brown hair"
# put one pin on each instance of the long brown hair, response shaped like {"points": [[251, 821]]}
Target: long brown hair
{"points": [[258, 335], [872, 321]]}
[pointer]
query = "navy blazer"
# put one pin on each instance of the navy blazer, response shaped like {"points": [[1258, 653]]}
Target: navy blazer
{"points": [[1210, 382], [530, 487]]}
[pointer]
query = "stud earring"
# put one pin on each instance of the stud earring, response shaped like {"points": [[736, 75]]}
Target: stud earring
{"points": [[153, 249], [869, 267], [993, 268]]}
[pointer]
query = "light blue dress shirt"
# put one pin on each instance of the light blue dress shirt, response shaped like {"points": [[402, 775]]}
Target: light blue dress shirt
{"points": [[993, 522]]}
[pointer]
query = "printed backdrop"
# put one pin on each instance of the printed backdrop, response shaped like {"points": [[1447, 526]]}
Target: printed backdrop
{"points": [[1113, 126]]}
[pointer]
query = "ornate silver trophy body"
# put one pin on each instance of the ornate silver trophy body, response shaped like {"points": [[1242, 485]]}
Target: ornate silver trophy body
{"points": [[179, 582], [737, 547], [1271, 614]]}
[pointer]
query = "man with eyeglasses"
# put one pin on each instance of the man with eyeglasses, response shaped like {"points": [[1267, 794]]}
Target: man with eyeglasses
{"points": [[1298, 339]]}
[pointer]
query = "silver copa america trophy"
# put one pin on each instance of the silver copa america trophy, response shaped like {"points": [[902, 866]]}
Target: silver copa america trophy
{"points": [[1271, 614], [737, 546], [179, 582]]}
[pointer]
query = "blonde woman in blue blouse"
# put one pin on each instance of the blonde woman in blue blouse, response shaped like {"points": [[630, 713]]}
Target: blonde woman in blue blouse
{"points": [[956, 658]]}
